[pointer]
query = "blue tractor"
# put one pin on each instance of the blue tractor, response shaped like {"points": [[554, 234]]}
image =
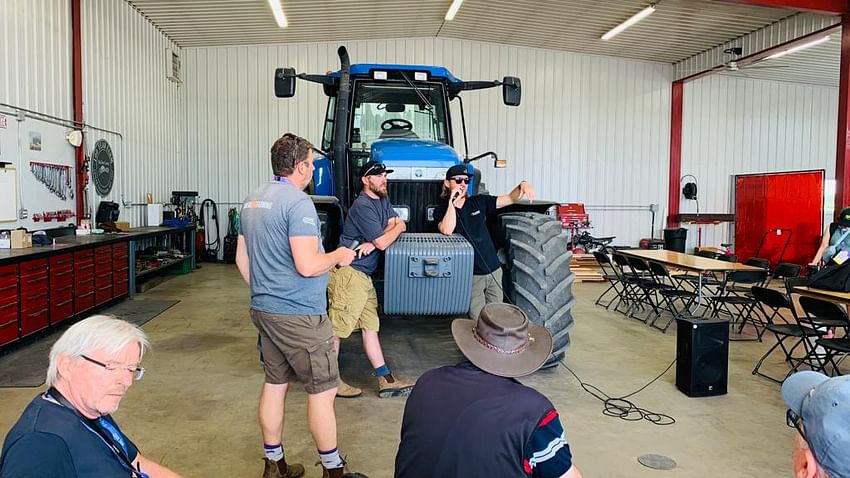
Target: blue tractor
{"points": [[399, 115]]}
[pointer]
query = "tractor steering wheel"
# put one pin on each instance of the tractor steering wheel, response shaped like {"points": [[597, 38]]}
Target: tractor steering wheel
{"points": [[397, 123]]}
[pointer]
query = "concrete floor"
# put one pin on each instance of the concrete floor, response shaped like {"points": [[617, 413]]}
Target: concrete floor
{"points": [[195, 410]]}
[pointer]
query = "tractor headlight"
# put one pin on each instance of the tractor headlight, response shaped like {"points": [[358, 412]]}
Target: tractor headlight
{"points": [[403, 212]]}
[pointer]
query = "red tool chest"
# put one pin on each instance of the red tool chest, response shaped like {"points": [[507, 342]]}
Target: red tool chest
{"points": [[61, 287], [35, 295], [8, 303], [102, 274], [120, 270], [83, 280]]}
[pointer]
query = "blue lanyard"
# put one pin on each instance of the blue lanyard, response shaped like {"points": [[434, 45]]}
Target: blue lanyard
{"points": [[282, 179], [106, 426]]}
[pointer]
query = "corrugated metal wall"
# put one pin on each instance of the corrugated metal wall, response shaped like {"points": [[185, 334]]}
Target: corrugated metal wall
{"points": [[126, 91], [736, 126], [35, 55], [591, 129]]}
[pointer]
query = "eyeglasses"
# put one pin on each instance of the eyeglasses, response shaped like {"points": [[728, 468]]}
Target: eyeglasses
{"points": [[138, 372], [459, 180], [795, 421]]}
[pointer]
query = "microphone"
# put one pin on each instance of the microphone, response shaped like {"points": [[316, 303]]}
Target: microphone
{"points": [[455, 196], [354, 244]]}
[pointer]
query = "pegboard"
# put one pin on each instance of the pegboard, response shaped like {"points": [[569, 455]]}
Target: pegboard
{"points": [[33, 141]]}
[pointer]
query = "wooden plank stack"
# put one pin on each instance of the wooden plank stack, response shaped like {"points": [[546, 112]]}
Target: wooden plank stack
{"points": [[585, 268]]}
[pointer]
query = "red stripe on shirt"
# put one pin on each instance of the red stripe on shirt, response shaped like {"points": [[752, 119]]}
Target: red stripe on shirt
{"points": [[548, 418], [526, 466]]}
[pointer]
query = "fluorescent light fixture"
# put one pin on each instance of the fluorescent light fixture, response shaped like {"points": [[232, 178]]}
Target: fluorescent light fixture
{"points": [[279, 16], [631, 21], [799, 47], [455, 6]]}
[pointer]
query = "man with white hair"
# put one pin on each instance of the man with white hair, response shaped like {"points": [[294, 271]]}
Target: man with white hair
{"points": [[68, 431]]}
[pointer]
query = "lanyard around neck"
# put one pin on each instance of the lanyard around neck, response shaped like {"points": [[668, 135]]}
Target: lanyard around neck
{"points": [[103, 429], [283, 180]]}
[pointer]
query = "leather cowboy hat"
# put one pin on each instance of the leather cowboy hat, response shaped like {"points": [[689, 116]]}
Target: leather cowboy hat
{"points": [[503, 342]]}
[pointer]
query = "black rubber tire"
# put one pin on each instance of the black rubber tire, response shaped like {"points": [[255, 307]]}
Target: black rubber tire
{"points": [[540, 280]]}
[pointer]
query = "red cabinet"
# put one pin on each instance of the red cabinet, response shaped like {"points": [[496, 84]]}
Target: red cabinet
{"points": [[83, 280], [61, 287], [35, 295], [120, 269], [8, 304], [102, 274]]}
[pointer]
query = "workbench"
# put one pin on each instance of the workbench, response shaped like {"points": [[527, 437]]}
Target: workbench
{"points": [[45, 285]]}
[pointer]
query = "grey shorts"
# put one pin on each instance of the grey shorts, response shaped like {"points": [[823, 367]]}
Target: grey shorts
{"points": [[299, 346]]}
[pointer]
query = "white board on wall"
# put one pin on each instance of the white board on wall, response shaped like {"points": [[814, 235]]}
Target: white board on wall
{"points": [[8, 195]]}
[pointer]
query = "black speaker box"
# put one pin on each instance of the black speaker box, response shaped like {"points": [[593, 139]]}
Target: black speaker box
{"points": [[702, 356]]}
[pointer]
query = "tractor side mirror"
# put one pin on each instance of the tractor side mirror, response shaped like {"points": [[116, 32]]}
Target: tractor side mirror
{"points": [[511, 90], [284, 82]]}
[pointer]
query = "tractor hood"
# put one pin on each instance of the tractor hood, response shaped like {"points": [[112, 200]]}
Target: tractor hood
{"points": [[415, 159]]}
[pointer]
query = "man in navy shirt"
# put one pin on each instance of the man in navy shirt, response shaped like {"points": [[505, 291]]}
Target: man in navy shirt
{"points": [[474, 420], [352, 301], [468, 215], [68, 431]]}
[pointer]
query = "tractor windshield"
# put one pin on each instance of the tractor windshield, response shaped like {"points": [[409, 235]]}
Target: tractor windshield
{"points": [[383, 110]]}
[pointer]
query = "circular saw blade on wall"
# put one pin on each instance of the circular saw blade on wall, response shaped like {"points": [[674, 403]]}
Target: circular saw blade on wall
{"points": [[102, 167]]}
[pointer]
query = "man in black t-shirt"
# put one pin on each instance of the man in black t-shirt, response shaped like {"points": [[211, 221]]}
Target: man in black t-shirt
{"points": [[468, 217]]}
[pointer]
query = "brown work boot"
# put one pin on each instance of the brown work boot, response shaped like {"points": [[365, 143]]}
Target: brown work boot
{"points": [[342, 472], [390, 386], [347, 391], [281, 469]]}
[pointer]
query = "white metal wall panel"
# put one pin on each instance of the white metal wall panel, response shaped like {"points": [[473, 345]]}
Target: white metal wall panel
{"points": [[590, 129], [737, 126], [126, 91], [35, 55]]}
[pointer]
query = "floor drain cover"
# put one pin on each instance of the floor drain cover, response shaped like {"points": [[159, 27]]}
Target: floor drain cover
{"points": [[656, 462]]}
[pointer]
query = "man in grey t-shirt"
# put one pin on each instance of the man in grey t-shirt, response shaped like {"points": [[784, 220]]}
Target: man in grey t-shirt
{"points": [[279, 254]]}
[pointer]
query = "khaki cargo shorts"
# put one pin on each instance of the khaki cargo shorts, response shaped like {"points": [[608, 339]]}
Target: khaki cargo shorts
{"points": [[298, 346], [352, 302]]}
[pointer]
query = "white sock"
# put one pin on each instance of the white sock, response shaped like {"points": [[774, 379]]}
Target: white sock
{"points": [[330, 459]]}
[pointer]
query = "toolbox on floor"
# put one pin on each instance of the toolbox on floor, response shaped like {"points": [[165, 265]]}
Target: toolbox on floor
{"points": [[428, 274]]}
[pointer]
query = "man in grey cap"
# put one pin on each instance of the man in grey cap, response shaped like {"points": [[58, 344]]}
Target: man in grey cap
{"points": [[819, 408], [449, 429]]}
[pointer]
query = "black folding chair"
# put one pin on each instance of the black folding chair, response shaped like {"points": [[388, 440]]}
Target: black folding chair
{"points": [[671, 294], [648, 286], [785, 270], [772, 303], [631, 292], [734, 298], [829, 328], [611, 274]]}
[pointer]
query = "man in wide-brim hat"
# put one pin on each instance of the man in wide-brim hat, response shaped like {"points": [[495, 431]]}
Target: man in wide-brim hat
{"points": [[475, 419]]}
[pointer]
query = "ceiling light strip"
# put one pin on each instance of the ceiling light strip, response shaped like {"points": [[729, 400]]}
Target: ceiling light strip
{"points": [[279, 16], [455, 6], [631, 21], [799, 47]]}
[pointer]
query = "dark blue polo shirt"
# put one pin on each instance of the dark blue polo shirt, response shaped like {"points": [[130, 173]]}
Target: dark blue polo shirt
{"points": [[50, 441]]}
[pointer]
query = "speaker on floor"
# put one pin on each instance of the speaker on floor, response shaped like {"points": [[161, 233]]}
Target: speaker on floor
{"points": [[702, 356]]}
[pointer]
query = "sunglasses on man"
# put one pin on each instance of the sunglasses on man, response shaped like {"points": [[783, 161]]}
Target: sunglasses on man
{"points": [[795, 421], [461, 179]]}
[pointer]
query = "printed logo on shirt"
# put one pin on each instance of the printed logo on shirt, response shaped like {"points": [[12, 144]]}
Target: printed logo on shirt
{"points": [[475, 213], [309, 220], [257, 205]]}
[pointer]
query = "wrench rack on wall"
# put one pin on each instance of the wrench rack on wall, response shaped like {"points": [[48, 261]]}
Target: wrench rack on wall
{"points": [[55, 177]]}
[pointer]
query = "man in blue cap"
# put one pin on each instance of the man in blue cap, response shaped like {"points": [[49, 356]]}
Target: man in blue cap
{"points": [[819, 408]]}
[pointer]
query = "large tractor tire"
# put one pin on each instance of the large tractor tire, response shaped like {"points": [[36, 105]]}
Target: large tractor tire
{"points": [[539, 280]]}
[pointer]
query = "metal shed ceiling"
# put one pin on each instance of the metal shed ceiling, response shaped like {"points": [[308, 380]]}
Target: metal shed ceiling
{"points": [[678, 29]]}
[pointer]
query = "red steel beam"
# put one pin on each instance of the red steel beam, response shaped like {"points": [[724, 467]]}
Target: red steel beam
{"points": [[77, 87], [842, 152], [831, 7], [677, 100]]}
